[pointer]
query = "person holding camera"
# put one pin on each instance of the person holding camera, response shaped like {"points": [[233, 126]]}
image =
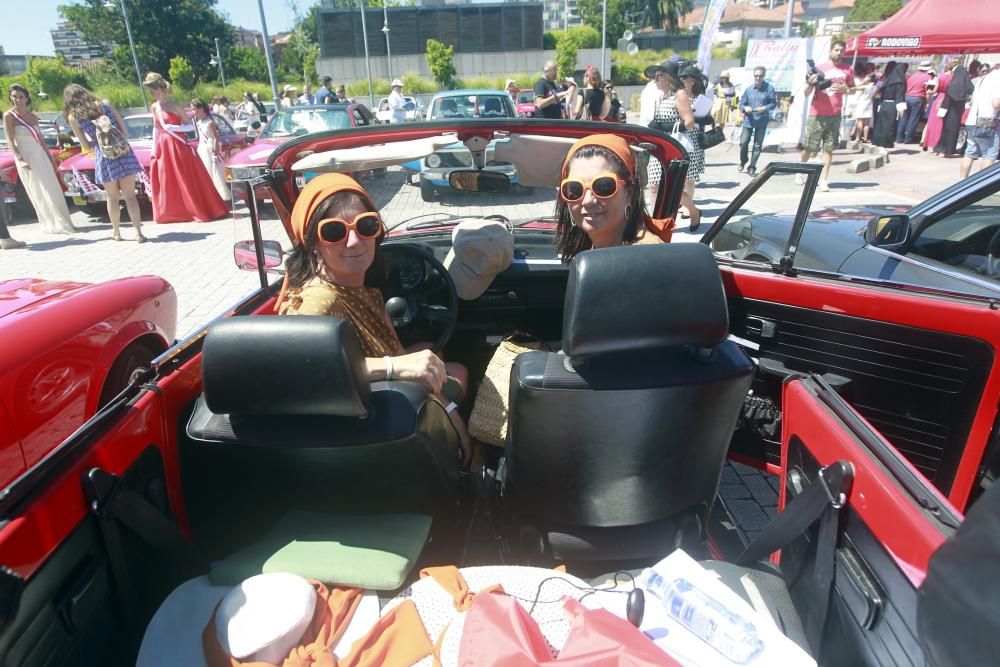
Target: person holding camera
{"points": [[830, 81], [548, 96]]}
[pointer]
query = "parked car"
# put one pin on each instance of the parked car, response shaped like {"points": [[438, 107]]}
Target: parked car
{"points": [[950, 241], [414, 110], [249, 123], [872, 407], [76, 175], [526, 104], [69, 348], [435, 169], [288, 124], [60, 145]]}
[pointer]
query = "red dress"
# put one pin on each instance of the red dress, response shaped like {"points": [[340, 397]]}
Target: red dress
{"points": [[182, 189]]}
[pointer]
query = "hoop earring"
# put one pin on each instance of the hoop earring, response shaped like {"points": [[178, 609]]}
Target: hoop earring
{"points": [[628, 212]]}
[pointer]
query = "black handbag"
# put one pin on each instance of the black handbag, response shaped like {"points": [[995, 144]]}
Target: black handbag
{"points": [[712, 137]]}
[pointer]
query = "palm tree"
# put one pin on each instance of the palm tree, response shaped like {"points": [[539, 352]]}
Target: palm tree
{"points": [[667, 13]]}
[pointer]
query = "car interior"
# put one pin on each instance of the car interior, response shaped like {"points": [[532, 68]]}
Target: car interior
{"points": [[262, 430]]}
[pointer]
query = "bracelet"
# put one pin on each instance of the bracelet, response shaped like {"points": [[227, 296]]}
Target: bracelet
{"points": [[451, 407], [388, 367]]}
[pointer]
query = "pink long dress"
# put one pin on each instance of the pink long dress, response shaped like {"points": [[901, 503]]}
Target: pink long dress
{"points": [[934, 124]]}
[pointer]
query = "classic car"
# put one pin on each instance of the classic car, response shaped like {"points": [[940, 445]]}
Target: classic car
{"points": [[60, 145], [526, 104], [414, 110], [949, 241], [69, 348], [286, 125], [433, 171], [248, 122], [76, 175], [870, 406]]}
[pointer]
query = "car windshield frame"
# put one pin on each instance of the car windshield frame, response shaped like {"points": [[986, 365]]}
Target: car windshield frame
{"points": [[472, 101], [285, 117]]}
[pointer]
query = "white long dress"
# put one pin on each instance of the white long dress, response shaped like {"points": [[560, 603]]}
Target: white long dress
{"points": [[213, 163], [41, 184]]}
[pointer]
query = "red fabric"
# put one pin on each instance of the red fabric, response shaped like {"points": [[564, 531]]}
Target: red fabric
{"points": [[498, 632], [916, 84], [182, 189], [825, 102], [942, 26]]}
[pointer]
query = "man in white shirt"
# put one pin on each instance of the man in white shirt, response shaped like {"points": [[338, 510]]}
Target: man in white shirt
{"points": [[397, 102], [648, 101], [981, 124]]}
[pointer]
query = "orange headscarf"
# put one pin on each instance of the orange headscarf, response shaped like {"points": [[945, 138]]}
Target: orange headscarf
{"points": [[317, 191], [661, 227]]}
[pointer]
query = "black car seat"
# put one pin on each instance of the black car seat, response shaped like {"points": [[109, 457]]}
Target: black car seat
{"points": [[492, 107], [615, 446], [288, 421]]}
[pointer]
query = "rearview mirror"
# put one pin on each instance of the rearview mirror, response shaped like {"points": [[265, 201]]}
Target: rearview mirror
{"points": [[890, 232], [245, 254], [472, 180]]}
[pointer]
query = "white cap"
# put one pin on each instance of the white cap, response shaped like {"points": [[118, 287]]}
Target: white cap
{"points": [[263, 618], [288, 88], [480, 249], [924, 66], [396, 82]]}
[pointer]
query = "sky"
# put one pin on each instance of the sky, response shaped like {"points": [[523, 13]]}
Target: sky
{"points": [[26, 30]]}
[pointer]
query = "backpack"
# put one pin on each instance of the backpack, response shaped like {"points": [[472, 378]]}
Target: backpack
{"points": [[110, 139]]}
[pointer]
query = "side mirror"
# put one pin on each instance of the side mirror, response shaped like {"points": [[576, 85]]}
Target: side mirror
{"points": [[245, 255], [472, 180], [889, 232]]}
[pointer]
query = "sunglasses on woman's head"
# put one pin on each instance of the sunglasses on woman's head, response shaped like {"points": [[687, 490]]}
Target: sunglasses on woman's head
{"points": [[333, 231], [604, 186]]}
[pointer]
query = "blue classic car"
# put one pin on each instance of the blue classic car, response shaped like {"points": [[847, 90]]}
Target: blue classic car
{"points": [[459, 105]]}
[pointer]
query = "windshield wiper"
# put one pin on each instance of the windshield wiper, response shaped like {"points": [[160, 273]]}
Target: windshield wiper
{"points": [[438, 219]]}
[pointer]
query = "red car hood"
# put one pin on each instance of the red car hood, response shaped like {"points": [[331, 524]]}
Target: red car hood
{"points": [[21, 293], [85, 161], [6, 159], [256, 153]]}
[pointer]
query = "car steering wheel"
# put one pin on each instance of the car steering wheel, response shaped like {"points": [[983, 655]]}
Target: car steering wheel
{"points": [[993, 256], [420, 295]]}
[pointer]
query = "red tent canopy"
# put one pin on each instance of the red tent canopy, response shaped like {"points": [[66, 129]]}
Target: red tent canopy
{"points": [[932, 27]]}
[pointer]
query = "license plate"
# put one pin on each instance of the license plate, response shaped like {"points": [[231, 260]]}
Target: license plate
{"points": [[79, 201], [98, 196], [9, 200]]}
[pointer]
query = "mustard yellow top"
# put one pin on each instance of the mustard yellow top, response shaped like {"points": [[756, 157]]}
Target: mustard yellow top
{"points": [[363, 307]]}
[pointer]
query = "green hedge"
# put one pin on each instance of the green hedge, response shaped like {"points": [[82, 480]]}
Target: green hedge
{"points": [[627, 69]]}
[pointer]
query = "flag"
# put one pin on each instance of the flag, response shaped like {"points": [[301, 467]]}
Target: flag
{"points": [[713, 14]]}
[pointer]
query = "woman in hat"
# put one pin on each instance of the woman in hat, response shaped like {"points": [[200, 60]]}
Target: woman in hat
{"points": [[336, 233], [182, 189], [600, 201], [725, 100], [510, 87], [676, 111]]}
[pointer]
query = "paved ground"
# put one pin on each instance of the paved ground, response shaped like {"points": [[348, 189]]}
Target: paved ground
{"points": [[197, 257]]}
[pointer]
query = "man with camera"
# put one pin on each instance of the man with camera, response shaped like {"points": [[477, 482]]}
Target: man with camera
{"points": [[830, 81], [548, 94]]}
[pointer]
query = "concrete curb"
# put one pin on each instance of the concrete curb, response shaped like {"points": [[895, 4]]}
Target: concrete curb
{"points": [[875, 158]]}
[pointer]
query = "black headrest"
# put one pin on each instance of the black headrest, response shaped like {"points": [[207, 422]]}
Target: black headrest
{"points": [[643, 297], [287, 365]]}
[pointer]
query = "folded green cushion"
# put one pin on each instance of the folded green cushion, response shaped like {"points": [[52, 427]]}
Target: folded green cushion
{"points": [[374, 552]]}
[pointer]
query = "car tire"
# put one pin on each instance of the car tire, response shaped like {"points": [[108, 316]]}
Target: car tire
{"points": [[99, 211], [426, 190], [135, 356]]}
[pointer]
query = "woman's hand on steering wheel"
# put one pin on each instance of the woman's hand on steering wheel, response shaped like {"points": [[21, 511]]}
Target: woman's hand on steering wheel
{"points": [[424, 367]]}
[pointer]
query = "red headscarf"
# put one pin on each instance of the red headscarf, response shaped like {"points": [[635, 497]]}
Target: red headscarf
{"points": [[660, 227]]}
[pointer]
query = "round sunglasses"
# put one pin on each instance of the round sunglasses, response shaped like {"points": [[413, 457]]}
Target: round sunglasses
{"points": [[604, 186], [333, 231]]}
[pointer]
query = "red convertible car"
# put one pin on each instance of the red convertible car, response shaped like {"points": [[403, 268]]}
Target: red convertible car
{"points": [[77, 174], [68, 349], [259, 442], [60, 145]]}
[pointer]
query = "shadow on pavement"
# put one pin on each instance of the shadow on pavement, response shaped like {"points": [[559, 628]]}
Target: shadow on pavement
{"points": [[853, 186], [725, 185], [62, 243], [178, 237]]}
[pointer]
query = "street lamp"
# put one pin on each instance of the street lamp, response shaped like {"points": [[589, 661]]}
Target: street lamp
{"points": [[368, 65], [110, 4], [385, 29], [217, 60], [267, 54]]}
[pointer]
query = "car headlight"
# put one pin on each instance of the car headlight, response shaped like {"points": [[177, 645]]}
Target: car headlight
{"points": [[433, 160], [245, 173], [67, 177]]}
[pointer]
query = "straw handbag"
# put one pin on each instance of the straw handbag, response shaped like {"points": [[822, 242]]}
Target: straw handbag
{"points": [[488, 421]]}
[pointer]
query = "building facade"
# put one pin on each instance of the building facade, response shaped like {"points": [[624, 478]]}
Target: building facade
{"points": [[249, 38], [71, 44]]}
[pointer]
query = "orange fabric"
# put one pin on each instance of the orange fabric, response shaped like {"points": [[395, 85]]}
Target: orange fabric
{"points": [[661, 227], [451, 580], [315, 193], [398, 639]]}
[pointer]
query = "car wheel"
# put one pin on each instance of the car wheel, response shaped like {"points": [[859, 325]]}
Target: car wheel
{"points": [[99, 211], [135, 356], [962, 139], [22, 208], [426, 190]]}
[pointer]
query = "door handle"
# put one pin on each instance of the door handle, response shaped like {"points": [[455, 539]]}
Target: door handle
{"points": [[862, 593], [761, 326]]}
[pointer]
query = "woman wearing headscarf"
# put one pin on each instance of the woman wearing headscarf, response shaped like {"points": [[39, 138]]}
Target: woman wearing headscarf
{"points": [[336, 233], [600, 201], [893, 92], [958, 92]]}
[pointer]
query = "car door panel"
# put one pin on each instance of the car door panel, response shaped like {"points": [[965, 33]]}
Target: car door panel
{"points": [[893, 521], [11, 455], [923, 367]]}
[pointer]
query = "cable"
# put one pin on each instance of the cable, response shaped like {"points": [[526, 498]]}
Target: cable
{"points": [[590, 590]]}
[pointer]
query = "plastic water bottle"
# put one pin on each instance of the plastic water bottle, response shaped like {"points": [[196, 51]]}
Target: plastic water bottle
{"points": [[730, 634]]}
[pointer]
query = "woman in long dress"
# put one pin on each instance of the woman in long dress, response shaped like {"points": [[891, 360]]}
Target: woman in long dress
{"points": [[893, 92], [959, 90], [91, 120], [935, 122], [35, 165], [862, 110], [725, 100], [210, 148], [182, 189]]}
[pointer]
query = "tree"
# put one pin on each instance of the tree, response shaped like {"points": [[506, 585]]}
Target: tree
{"points": [[181, 74], [161, 30], [591, 10], [50, 75], [440, 62], [244, 62], [567, 46], [664, 13], [304, 39], [873, 10], [807, 30], [309, 65]]}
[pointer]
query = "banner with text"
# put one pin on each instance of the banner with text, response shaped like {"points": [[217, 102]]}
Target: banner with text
{"points": [[779, 57], [713, 14]]}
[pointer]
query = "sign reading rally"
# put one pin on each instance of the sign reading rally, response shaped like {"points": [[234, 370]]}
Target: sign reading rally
{"points": [[893, 42]]}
